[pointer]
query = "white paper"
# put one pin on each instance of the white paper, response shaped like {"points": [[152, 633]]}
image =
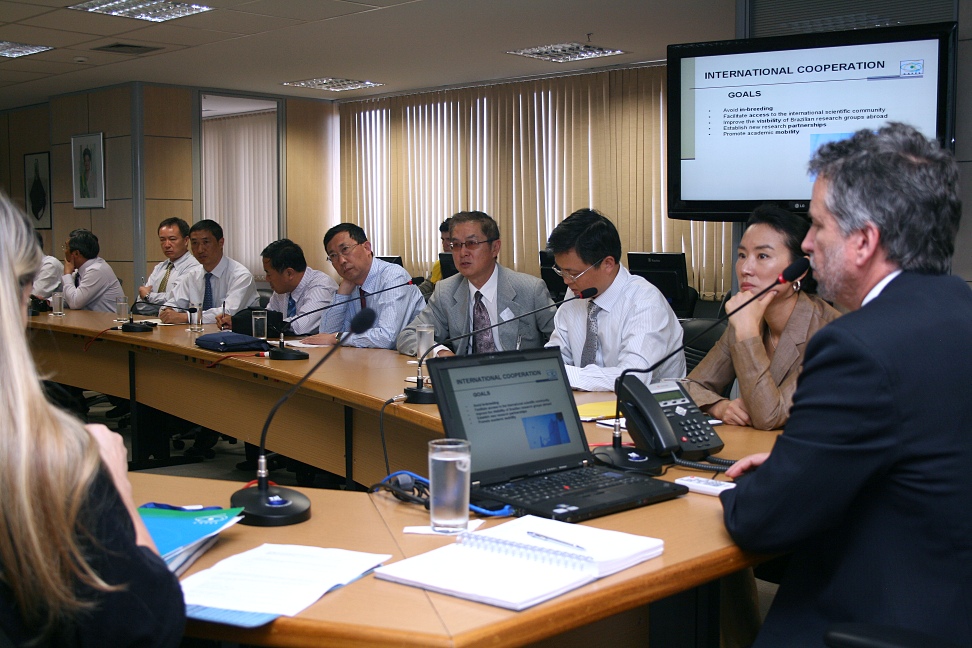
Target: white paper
{"points": [[277, 579]]}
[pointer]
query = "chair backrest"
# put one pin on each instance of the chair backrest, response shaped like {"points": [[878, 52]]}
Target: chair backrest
{"points": [[695, 350], [555, 283]]}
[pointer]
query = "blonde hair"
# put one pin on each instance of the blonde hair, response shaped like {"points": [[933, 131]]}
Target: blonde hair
{"points": [[47, 456]]}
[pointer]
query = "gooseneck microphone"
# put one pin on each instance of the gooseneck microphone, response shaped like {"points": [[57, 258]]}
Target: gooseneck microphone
{"points": [[425, 396], [131, 326], [619, 455], [281, 352], [265, 505]]}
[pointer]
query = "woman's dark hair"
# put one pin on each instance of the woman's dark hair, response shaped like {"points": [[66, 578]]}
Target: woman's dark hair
{"points": [[793, 228]]}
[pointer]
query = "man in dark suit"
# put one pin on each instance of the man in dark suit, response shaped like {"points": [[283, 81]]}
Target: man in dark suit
{"points": [[869, 486], [482, 294]]}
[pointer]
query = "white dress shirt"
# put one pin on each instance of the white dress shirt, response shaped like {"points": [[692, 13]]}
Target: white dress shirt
{"points": [[635, 328], [48, 279], [314, 291], [231, 282], [98, 289], [180, 267], [395, 308]]}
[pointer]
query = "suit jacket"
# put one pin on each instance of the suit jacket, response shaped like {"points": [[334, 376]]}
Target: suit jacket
{"points": [[765, 386], [869, 485], [448, 310]]}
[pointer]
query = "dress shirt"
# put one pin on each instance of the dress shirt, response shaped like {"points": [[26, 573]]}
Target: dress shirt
{"points": [[766, 386], [231, 282], [314, 291], [98, 289], [635, 328], [180, 267], [395, 308], [48, 279]]}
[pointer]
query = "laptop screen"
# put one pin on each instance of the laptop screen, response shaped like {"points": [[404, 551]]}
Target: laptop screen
{"points": [[515, 408]]}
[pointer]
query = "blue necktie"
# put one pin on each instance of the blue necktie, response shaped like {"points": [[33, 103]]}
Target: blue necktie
{"points": [[291, 307], [208, 297]]}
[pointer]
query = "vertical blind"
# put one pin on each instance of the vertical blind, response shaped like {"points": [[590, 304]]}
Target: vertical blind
{"points": [[239, 174], [528, 154]]}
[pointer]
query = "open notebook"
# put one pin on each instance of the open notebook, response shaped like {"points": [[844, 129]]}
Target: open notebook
{"points": [[522, 562]]}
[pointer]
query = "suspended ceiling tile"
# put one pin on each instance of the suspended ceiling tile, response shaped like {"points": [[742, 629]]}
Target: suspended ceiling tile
{"points": [[303, 10], [83, 21], [176, 35], [238, 22], [38, 36], [15, 11]]}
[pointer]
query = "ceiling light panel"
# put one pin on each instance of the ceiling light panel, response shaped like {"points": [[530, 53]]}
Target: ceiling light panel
{"points": [[151, 10], [16, 50], [566, 52], [332, 84]]}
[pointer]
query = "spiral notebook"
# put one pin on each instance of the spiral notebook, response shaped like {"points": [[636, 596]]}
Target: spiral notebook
{"points": [[523, 562]]}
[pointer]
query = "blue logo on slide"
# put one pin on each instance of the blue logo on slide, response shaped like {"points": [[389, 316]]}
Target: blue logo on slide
{"points": [[913, 68]]}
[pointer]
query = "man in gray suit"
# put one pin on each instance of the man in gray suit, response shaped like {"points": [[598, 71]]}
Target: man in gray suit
{"points": [[484, 293]]}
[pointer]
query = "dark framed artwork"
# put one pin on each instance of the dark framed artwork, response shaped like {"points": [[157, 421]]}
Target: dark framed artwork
{"points": [[88, 170], [37, 189]]}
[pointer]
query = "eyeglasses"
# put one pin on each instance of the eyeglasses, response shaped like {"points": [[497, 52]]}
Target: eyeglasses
{"points": [[472, 246], [341, 252], [570, 276]]}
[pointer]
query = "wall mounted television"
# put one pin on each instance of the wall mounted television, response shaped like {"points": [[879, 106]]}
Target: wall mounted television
{"points": [[745, 116]]}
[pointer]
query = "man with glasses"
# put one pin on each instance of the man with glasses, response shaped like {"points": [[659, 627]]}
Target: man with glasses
{"points": [[484, 293], [627, 325], [363, 277]]}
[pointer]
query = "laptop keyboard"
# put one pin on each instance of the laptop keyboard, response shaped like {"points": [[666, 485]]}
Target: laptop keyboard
{"points": [[533, 490]]}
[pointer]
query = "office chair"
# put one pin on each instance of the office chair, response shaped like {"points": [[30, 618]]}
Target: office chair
{"points": [[697, 349], [684, 304], [869, 635]]}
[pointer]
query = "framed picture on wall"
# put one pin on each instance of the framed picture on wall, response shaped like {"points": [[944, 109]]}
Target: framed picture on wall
{"points": [[88, 170], [37, 188]]}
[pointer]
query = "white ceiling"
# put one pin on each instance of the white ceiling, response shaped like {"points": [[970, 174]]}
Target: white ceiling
{"points": [[252, 46]]}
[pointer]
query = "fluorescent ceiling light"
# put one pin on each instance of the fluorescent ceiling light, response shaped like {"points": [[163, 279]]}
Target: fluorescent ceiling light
{"points": [[566, 52], [152, 10], [15, 50], [332, 84]]}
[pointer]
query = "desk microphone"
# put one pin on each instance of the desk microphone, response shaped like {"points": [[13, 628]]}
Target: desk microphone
{"points": [[619, 456], [131, 326], [280, 352], [267, 505], [425, 396]]}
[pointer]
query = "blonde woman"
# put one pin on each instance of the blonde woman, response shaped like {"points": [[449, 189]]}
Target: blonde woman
{"points": [[77, 565]]}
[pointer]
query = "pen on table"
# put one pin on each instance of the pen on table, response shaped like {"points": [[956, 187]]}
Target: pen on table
{"points": [[540, 536], [591, 419]]}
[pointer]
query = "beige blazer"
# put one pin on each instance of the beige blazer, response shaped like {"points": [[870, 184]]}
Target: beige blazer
{"points": [[765, 387]]}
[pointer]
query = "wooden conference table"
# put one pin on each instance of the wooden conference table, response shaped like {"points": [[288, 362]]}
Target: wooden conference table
{"points": [[332, 424], [372, 612]]}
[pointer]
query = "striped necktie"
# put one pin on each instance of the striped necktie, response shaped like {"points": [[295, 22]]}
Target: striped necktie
{"points": [[165, 279], [208, 296], [291, 307], [589, 353]]}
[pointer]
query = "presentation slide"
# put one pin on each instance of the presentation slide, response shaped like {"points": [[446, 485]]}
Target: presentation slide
{"points": [[520, 410], [750, 122]]}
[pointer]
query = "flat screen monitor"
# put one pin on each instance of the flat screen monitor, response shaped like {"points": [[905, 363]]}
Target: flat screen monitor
{"points": [[447, 264], [666, 270], [745, 116]]}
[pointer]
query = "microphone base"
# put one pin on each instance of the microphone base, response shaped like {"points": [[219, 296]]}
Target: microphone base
{"points": [[135, 327], [420, 395], [275, 507], [276, 353], [628, 459]]}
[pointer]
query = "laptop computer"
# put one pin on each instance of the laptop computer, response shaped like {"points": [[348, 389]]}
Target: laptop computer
{"points": [[517, 410]]}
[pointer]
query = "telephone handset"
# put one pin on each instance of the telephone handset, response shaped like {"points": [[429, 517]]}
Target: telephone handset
{"points": [[662, 419]]}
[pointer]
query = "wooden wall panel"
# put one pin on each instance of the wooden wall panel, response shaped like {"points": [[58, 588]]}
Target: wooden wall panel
{"points": [[69, 116], [5, 153], [168, 111], [157, 211], [28, 132], [113, 227], [110, 111], [118, 168], [61, 176], [168, 168], [66, 218]]}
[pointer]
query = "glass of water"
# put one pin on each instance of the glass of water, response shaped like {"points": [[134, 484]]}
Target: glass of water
{"points": [[57, 304], [121, 309], [449, 465], [195, 319], [425, 339], [258, 322]]}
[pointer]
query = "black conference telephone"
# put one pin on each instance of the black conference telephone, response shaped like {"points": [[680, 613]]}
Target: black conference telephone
{"points": [[663, 420]]}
